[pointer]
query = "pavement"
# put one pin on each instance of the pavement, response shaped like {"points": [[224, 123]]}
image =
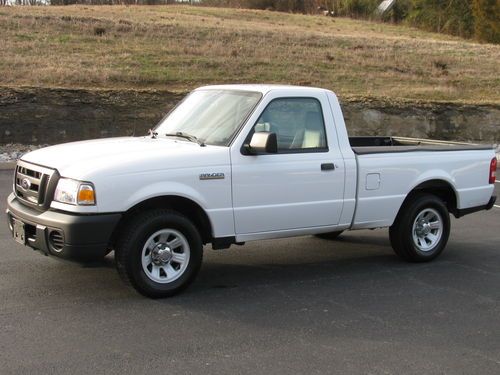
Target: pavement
{"points": [[292, 306], [7, 166]]}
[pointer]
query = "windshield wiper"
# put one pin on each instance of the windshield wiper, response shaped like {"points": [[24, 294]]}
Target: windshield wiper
{"points": [[187, 136]]}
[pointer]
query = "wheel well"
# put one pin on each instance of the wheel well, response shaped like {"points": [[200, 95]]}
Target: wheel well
{"points": [[184, 206], [439, 188]]}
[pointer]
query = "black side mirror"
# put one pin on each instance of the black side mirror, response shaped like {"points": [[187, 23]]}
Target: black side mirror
{"points": [[262, 143]]}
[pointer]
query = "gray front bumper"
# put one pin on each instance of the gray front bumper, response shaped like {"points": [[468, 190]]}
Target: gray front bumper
{"points": [[85, 237]]}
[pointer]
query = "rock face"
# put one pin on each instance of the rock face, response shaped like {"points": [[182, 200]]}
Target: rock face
{"points": [[36, 116], [49, 116], [437, 121]]}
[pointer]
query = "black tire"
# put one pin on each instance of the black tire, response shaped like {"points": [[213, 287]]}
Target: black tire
{"points": [[329, 235], [132, 241], [407, 243]]}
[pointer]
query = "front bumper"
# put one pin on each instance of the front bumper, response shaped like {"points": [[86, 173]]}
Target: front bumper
{"points": [[64, 235]]}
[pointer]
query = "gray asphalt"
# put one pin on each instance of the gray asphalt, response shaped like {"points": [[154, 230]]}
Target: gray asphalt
{"points": [[303, 305]]}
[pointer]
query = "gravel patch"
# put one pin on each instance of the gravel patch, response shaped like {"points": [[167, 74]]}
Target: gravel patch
{"points": [[10, 152]]}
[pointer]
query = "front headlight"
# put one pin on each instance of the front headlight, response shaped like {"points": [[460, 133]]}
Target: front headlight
{"points": [[75, 192]]}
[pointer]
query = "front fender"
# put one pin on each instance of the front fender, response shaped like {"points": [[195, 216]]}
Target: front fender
{"points": [[160, 189]]}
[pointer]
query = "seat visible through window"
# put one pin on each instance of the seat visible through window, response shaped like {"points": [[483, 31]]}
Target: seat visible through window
{"points": [[297, 123], [312, 135]]}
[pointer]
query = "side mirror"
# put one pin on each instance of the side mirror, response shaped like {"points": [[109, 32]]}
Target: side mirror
{"points": [[262, 143]]}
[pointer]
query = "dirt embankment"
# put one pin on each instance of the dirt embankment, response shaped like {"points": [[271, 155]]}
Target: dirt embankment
{"points": [[40, 116]]}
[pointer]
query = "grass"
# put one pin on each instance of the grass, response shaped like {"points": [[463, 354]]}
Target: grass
{"points": [[180, 47]]}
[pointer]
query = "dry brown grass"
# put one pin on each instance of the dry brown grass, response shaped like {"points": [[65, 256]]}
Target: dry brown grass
{"points": [[180, 47]]}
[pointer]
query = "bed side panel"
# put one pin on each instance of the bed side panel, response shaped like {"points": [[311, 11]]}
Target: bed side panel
{"points": [[384, 181]]}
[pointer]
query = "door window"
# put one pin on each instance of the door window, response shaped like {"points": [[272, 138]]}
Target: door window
{"points": [[297, 122]]}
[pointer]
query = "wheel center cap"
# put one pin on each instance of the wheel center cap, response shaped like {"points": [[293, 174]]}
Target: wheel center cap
{"points": [[161, 254], [423, 229], [426, 228]]}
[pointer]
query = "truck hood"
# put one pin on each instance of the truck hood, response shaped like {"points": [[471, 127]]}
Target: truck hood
{"points": [[113, 156]]}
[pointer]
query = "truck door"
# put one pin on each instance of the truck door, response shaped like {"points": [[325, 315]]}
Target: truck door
{"points": [[300, 186]]}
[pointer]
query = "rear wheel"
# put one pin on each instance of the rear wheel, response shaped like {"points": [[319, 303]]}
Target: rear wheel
{"points": [[159, 253], [329, 235], [421, 229]]}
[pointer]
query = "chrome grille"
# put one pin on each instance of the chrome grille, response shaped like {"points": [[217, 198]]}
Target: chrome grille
{"points": [[31, 183]]}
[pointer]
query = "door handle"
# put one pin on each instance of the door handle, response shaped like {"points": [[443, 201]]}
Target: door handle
{"points": [[327, 167]]}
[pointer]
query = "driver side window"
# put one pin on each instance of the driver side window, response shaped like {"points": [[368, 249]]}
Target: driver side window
{"points": [[297, 122]]}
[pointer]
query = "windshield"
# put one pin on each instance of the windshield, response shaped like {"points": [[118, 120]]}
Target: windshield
{"points": [[212, 116]]}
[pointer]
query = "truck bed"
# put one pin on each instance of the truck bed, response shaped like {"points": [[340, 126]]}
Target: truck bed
{"points": [[379, 145]]}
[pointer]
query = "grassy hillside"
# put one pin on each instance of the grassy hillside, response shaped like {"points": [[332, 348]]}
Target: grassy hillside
{"points": [[181, 47]]}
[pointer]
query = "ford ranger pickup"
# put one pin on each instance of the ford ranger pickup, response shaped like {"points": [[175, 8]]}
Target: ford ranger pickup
{"points": [[237, 163]]}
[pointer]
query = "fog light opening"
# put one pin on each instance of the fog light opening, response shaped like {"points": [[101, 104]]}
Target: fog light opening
{"points": [[56, 240]]}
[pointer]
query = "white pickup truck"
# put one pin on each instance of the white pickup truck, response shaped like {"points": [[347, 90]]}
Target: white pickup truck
{"points": [[237, 163]]}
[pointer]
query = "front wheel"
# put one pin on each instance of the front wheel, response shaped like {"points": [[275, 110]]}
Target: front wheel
{"points": [[159, 252], [421, 229]]}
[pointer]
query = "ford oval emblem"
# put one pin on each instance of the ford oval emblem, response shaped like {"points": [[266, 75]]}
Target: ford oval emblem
{"points": [[25, 184]]}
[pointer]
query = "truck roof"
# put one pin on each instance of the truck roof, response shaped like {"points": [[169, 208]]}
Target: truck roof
{"points": [[262, 88]]}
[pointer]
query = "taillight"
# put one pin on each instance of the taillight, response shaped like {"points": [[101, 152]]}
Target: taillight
{"points": [[493, 170]]}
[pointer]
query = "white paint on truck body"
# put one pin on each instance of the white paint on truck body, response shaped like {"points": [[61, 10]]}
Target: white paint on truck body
{"points": [[266, 196]]}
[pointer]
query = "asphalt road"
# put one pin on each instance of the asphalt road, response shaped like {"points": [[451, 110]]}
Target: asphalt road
{"points": [[303, 305]]}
